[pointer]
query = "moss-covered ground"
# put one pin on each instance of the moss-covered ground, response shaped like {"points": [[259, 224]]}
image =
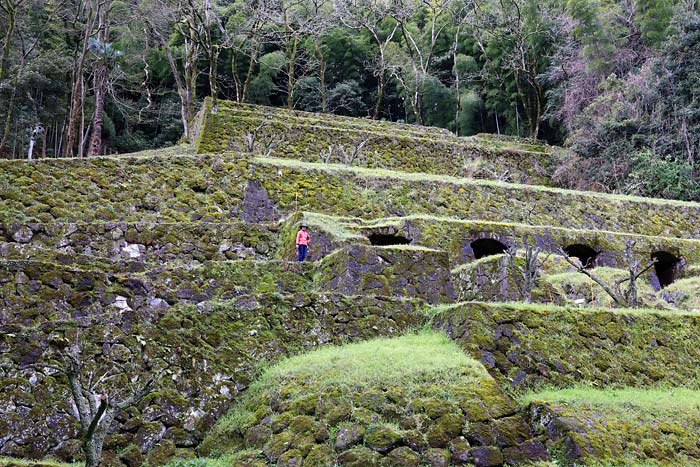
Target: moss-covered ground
{"points": [[15, 462], [654, 426]]}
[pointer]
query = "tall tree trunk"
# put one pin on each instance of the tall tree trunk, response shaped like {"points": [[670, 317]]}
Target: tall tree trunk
{"points": [[380, 94], [10, 8], [36, 131], [251, 69], [322, 76], [43, 144], [458, 103], [95, 146], [100, 80], [290, 73], [185, 104], [191, 72], [213, 55], [213, 85], [77, 100], [234, 74], [76, 104], [10, 108], [418, 107]]}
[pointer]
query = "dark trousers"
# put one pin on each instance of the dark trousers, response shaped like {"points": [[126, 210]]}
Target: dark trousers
{"points": [[302, 252]]}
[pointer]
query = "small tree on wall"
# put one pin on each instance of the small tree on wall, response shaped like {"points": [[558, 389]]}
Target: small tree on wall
{"points": [[99, 389], [525, 273], [624, 291]]}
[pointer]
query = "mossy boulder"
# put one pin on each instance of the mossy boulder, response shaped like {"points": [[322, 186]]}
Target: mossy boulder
{"points": [[348, 436], [402, 457], [382, 438], [320, 456], [359, 457]]}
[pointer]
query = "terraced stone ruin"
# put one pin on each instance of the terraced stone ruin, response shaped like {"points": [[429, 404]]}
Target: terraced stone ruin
{"points": [[404, 340]]}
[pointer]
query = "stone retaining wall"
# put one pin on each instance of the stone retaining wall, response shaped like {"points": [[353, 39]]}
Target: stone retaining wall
{"points": [[201, 356], [531, 346], [392, 271]]}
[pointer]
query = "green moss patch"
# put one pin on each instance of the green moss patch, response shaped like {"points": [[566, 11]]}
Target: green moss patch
{"points": [[15, 462]]}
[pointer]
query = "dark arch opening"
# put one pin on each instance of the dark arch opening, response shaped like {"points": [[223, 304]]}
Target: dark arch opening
{"points": [[665, 266], [584, 253], [487, 247], [380, 239]]}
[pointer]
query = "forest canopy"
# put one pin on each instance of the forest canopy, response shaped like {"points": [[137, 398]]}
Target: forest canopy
{"points": [[616, 82]]}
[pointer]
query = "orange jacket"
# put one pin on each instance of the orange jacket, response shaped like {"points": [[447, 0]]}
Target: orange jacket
{"points": [[303, 238]]}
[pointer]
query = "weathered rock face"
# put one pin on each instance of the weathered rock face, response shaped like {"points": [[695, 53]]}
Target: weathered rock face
{"points": [[202, 356], [399, 271], [488, 279], [257, 206], [530, 346]]}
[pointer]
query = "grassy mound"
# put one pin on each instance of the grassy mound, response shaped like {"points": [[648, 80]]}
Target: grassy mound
{"points": [[403, 401], [620, 427]]}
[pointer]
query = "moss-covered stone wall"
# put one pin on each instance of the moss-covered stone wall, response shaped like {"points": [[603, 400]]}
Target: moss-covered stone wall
{"points": [[455, 236], [315, 138], [388, 271], [32, 289], [340, 121], [135, 242], [342, 191], [201, 355], [528, 346], [212, 189]]}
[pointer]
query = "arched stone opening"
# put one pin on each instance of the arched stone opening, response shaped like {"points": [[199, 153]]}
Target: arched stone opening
{"points": [[484, 247], [584, 253], [665, 266], [385, 239]]}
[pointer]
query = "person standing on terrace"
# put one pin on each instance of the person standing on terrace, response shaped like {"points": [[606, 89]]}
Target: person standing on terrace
{"points": [[303, 241]]}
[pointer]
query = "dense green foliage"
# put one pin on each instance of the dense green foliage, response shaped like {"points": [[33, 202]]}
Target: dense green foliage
{"points": [[616, 80]]}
